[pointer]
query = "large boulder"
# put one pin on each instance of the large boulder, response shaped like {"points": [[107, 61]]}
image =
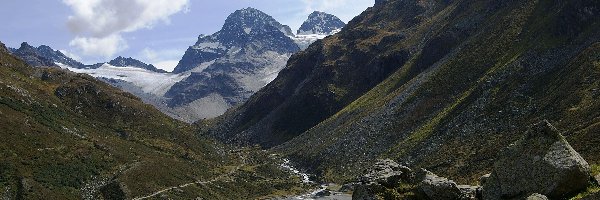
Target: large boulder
{"points": [[541, 162], [385, 172], [387, 175], [436, 187]]}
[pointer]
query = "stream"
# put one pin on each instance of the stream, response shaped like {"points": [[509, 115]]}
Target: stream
{"points": [[324, 192]]}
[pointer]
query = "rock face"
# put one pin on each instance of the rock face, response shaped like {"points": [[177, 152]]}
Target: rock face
{"points": [[321, 23], [227, 67], [130, 62], [542, 162], [246, 29]]}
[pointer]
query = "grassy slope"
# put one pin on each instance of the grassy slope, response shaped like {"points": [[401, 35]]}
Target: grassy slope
{"points": [[520, 62], [65, 135]]}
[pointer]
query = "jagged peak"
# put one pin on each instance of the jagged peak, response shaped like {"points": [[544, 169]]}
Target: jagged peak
{"points": [[249, 18], [317, 13], [25, 45], [321, 23]]}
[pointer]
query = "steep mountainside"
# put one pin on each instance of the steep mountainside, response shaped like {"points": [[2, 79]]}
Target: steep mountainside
{"points": [[435, 84], [70, 136], [227, 67]]}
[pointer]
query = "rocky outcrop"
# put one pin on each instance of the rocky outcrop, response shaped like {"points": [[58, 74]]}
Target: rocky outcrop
{"points": [[386, 175], [385, 172], [541, 162]]}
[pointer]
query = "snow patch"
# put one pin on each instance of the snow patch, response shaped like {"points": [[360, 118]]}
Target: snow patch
{"points": [[149, 81], [211, 47]]}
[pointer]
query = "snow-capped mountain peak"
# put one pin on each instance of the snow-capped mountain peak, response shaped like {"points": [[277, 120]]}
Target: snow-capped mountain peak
{"points": [[318, 26], [321, 23]]}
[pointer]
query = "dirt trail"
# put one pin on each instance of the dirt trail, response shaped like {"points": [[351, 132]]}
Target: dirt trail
{"points": [[218, 178]]}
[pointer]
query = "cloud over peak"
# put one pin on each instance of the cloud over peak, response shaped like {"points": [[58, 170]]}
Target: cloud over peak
{"points": [[98, 24]]}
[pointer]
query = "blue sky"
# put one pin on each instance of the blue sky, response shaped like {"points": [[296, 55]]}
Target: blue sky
{"points": [[154, 31]]}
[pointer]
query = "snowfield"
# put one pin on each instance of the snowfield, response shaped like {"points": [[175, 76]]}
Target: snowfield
{"points": [[303, 40], [149, 81]]}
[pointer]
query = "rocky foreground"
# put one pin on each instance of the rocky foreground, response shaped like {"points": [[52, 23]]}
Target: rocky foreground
{"points": [[541, 165]]}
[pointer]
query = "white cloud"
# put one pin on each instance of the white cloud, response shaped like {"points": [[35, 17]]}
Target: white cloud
{"points": [[70, 54], [106, 46], [98, 23]]}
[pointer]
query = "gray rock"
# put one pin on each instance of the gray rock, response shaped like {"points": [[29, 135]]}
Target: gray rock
{"points": [[597, 178], [537, 196], [541, 162], [436, 187], [385, 172]]}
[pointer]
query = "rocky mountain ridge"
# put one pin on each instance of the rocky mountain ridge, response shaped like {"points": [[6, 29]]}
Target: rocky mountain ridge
{"points": [[217, 72], [228, 66], [130, 62], [39, 56]]}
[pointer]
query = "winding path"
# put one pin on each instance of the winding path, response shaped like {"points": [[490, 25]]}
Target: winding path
{"points": [[220, 177]]}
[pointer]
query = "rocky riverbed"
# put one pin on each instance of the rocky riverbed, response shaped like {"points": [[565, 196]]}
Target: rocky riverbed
{"points": [[327, 191]]}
